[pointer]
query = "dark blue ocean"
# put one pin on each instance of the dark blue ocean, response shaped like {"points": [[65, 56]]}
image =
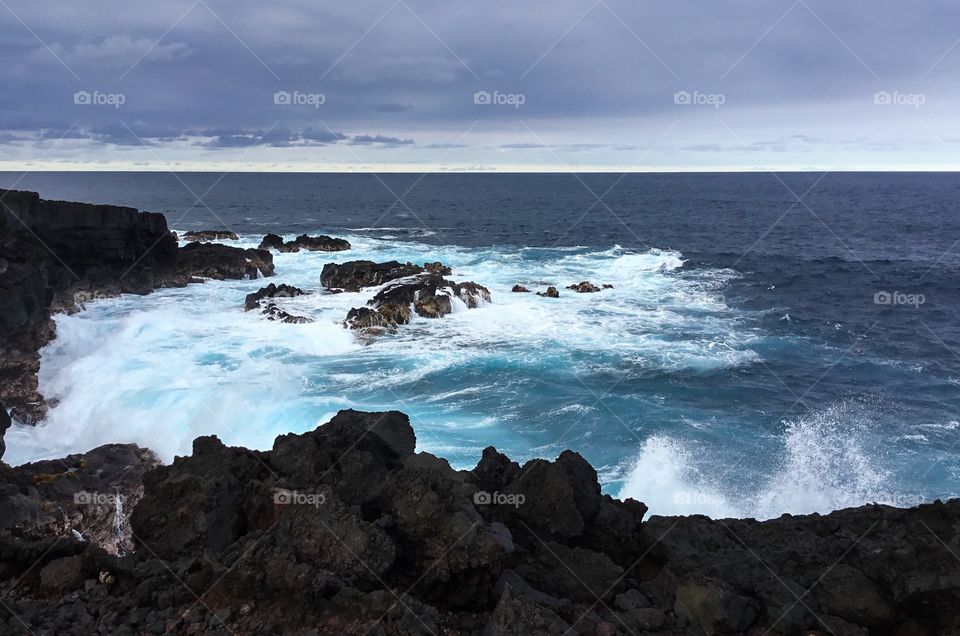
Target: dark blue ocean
{"points": [[772, 343]]}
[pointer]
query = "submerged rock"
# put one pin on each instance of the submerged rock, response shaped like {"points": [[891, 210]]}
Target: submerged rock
{"points": [[210, 235], [520, 289]]}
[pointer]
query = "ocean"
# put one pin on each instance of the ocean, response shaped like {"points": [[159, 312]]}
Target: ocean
{"points": [[771, 343]]}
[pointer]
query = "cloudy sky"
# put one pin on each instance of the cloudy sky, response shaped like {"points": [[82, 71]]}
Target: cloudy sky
{"points": [[493, 85]]}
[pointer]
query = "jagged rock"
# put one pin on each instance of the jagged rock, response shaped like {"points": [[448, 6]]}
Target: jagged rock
{"points": [[516, 614], [433, 306], [223, 262], [271, 242], [271, 291], [520, 289], [550, 293], [59, 255], [347, 529], [322, 243], [78, 493], [584, 287], [353, 275], [714, 608], [438, 268], [210, 235], [4, 425]]}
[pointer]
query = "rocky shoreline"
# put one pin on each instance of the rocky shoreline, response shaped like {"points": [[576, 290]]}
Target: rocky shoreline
{"points": [[348, 530]]}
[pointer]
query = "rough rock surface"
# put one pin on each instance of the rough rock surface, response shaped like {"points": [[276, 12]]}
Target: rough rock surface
{"points": [[56, 256], [209, 235], [550, 293], [520, 289], [408, 288], [262, 300], [320, 243], [4, 425], [347, 530], [79, 493], [353, 275], [584, 287]]}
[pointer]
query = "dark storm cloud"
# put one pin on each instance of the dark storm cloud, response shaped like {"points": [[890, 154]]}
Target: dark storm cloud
{"points": [[378, 71]]}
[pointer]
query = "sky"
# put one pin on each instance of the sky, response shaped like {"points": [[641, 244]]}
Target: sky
{"points": [[431, 85]]}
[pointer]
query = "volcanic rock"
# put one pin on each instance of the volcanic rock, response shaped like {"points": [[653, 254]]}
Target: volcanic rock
{"points": [[210, 235], [550, 293], [353, 275], [348, 530], [322, 243], [56, 256], [584, 287]]}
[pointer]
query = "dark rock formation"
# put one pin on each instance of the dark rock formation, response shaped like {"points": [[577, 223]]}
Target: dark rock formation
{"points": [[430, 295], [320, 243], [584, 287], [90, 494], [271, 291], [347, 530], [520, 289], [210, 235], [55, 256], [550, 293], [353, 275], [4, 425], [270, 309]]}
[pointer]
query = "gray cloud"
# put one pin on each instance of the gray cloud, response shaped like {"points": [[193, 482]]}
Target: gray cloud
{"points": [[796, 79]]}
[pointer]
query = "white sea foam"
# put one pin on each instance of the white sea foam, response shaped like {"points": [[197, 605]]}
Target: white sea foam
{"points": [[162, 369], [826, 462]]}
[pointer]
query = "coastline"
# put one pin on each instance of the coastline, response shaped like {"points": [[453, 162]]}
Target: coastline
{"points": [[486, 550]]}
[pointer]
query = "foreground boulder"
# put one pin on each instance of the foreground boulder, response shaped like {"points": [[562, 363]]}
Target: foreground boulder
{"points": [[348, 530], [87, 496], [320, 243], [210, 235], [55, 256]]}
